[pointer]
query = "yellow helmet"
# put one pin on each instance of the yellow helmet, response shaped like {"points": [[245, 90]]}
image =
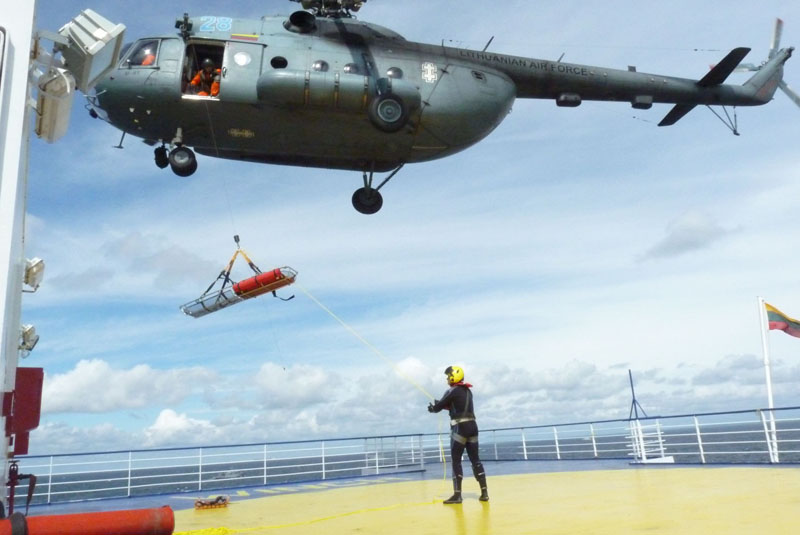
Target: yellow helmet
{"points": [[455, 374]]}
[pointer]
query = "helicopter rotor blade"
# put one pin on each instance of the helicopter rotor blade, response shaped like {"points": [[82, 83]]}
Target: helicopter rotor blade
{"points": [[789, 92], [776, 38]]}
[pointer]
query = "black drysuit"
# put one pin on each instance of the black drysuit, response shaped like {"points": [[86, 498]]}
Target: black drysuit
{"points": [[463, 432]]}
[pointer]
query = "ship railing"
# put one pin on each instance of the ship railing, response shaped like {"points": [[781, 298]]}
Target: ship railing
{"points": [[756, 436]]}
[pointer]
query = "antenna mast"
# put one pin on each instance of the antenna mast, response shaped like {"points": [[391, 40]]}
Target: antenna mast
{"points": [[635, 407]]}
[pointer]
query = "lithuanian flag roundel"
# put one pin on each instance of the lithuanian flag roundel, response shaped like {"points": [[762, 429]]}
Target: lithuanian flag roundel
{"points": [[779, 320]]}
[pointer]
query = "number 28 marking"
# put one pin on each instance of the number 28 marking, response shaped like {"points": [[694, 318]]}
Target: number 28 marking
{"points": [[215, 24]]}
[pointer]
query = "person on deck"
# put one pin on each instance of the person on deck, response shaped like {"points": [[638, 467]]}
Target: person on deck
{"points": [[206, 81], [463, 431]]}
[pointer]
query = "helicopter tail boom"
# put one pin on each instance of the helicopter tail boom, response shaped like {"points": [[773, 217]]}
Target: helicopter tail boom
{"points": [[759, 89], [716, 76]]}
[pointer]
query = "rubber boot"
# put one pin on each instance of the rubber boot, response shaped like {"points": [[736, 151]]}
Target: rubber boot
{"points": [[456, 497], [482, 482]]}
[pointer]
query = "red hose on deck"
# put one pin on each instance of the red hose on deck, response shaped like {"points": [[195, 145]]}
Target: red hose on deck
{"points": [[159, 521]]}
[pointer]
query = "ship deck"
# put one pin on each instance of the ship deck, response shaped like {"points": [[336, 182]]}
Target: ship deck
{"points": [[597, 497]]}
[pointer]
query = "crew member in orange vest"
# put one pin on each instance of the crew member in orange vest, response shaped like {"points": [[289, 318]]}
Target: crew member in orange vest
{"points": [[206, 81]]}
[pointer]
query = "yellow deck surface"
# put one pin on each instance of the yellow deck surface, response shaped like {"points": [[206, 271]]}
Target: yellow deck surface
{"points": [[729, 500]]}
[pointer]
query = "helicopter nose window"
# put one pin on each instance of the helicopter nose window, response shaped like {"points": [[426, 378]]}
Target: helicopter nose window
{"points": [[142, 54], [278, 62], [351, 68], [321, 66], [394, 72]]}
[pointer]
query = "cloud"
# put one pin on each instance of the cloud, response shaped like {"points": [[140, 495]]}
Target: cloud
{"points": [[295, 386], [172, 428], [94, 386], [693, 231]]}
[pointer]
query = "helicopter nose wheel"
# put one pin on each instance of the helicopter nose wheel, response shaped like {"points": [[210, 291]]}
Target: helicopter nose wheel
{"points": [[367, 200], [183, 161], [162, 159]]}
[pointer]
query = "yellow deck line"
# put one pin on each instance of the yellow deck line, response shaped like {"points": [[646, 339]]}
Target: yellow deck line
{"points": [[729, 500]]}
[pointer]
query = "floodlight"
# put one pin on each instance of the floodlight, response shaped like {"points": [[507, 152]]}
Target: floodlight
{"points": [[93, 49], [54, 104], [34, 272], [28, 339]]}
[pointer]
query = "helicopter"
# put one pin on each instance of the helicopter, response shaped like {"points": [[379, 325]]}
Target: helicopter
{"points": [[321, 88]]}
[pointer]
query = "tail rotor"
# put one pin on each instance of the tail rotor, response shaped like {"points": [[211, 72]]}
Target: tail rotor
{"points": [[773, 50]]}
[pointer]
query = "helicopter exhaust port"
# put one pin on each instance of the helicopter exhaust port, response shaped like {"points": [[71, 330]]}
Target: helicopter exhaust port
{"points": [[301, 22]]}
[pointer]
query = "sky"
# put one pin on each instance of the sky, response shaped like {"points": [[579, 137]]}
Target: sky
{"points": [[568, 247]]}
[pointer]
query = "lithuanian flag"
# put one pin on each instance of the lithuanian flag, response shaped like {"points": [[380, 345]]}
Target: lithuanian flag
{"points": [[779, 320]]}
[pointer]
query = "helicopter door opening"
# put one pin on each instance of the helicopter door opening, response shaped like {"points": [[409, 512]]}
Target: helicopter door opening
{"points": [[202, 68]]}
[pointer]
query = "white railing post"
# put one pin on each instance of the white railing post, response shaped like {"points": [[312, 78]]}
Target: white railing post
{"points": [[524, 446], [699, 440], [323, 459], [421, 453], [558, 450], [265, 464], [50, 480], [396, 461], [377, 458], [130, 469], [660, 439], [494, 440], [200, 470], [640, 438], [773, 457], [594, 442], [774, 436]]}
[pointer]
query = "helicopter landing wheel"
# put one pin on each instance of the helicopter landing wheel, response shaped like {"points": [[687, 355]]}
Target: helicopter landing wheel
{"points": [[367, 200], [183, 161], [162, 158]]}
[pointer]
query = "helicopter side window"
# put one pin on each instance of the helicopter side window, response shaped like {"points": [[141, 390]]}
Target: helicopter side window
{"points": [[352, 68], [143, 53], [279, 62]]}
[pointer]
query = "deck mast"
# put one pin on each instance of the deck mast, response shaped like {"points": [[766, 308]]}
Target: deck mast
{"points": [[17, 28]]}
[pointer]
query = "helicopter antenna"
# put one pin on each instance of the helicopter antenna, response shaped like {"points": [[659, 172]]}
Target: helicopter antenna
{"points": [[184, 25], [333, 9]]}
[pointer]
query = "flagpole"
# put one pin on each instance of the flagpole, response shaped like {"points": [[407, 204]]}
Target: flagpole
{"points": [[762, 315]]}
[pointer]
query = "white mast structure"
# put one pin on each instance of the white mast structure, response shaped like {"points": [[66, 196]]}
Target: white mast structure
{"points": [[91, 44], [764, 323], [14, 142]]}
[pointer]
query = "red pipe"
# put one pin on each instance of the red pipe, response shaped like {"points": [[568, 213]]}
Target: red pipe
{"points": [[159, 521]]}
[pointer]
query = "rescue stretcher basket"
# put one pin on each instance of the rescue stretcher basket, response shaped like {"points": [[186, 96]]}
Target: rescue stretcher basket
{"points": [[261, 283]]}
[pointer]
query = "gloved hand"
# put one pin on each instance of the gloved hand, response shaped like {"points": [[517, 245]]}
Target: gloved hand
{"points": [[430, 407]]}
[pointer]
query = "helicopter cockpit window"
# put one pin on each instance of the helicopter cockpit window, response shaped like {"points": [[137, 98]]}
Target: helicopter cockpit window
{"points": [[143, 53]]}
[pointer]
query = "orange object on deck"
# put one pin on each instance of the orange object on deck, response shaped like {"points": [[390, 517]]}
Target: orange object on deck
{"points": [[269, 281], [159, 521]]}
